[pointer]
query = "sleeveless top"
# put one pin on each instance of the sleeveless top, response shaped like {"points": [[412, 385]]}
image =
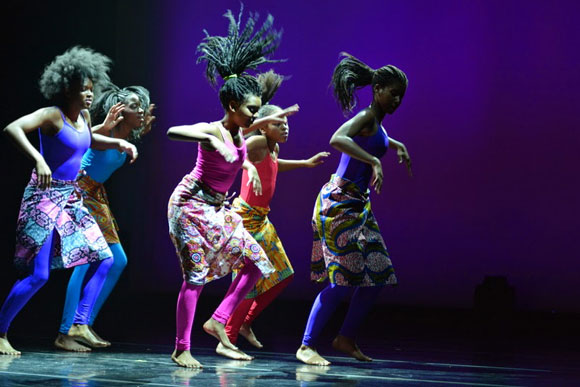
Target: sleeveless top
{"points": [[100, 164], [212, 169], [63, 151], [267, 170], [357, 171]]}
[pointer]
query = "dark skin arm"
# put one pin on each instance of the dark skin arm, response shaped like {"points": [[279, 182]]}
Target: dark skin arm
{"points": [[101, 142], [205, 133]]}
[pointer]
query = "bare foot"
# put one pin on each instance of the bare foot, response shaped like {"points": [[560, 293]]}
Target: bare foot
{"points": [[217, 330], [310, 356], [348, 346], [6, 348], [69, 344], [107, 343], [184, 359], [82, 334], [235, 354], [247, 332]]}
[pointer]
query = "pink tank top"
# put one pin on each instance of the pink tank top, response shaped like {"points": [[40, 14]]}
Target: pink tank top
{"points": [[212, 169], [267, 170]]}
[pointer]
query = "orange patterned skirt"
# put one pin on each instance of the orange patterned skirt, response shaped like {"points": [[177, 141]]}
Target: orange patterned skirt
{"points": [[96, 200]]}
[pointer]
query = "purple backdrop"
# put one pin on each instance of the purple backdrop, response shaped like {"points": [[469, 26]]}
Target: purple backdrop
{"points": [[489, 120]]}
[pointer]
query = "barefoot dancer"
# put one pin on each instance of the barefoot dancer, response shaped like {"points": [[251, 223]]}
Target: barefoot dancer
{"points": [[133, 105], [348, 248], [54, 229], [208, 236], [263, 151]]}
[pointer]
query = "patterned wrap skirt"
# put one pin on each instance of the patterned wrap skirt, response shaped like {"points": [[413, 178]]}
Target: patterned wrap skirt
{"points": [[209, 237], [59, 208], [348, 248], [259, 226], [96, 200]]}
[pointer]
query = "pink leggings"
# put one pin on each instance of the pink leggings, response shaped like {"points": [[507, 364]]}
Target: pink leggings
{"points": [[189, 294]]}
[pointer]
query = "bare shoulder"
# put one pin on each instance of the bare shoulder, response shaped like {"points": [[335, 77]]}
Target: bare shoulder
{"points": [[365, 118], [256, 142]]}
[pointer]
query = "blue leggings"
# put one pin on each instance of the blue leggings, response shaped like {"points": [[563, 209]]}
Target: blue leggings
{"points": [[24, 289], [326, 303], [73, 292]]}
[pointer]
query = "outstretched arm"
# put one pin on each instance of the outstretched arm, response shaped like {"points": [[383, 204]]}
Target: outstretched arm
{"points": [[204, 133], [288, 165], [101, 142], [272, 118], [402, 154]]}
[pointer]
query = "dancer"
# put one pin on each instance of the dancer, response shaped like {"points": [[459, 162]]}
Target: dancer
{"points": [[135, 120], [209, 237], [263, 151], [348, 248], [54, 229]]}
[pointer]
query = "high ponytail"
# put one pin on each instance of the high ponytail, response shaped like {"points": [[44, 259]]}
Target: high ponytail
{"points": [[230, 56], [352, 74]]}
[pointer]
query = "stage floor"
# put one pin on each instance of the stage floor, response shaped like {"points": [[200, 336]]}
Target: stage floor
{"points": [[142, 365]]}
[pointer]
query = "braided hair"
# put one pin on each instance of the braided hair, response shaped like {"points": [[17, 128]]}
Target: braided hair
{"points": [[112, 95], [71, 68], [229, 56], [351, 74]]}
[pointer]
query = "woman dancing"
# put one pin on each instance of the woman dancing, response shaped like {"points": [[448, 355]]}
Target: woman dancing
{"points": [[97, 166], [263, 151], [54, 229], [348, 248], [209, 237]]}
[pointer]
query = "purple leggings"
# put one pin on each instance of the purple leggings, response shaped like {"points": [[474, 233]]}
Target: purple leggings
{"points": [[189, 294], [24, 289], [326, 303]]}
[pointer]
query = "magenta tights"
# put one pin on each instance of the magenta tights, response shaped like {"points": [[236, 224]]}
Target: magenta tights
{"points": [[189, 294]]}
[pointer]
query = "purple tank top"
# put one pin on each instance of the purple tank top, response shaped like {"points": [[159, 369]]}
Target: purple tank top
{"points": [[64, 151], [212, 169], [356, 171]]}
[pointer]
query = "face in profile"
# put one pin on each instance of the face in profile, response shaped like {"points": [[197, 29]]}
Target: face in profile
{"points": [[246, 112], [389, 97], [133, 113]]}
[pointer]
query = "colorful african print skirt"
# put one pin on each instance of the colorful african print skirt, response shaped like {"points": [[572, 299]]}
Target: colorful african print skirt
{"points": [[259, 226], [96, 200], [59, 208], [348, 248], [209, 237]]}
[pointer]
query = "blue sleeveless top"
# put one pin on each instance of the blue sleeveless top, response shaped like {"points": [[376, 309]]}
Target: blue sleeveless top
{"points": [[63, 151], [356, 171], [100, 164]]}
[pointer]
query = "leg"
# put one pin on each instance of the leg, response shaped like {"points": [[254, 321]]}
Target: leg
{"points": [[215, 326], [237, 319], [325, 304], [93, 283], [119, 264], [260, 303], [360, 304], [186, 304], [73, 293], [22, 291]]}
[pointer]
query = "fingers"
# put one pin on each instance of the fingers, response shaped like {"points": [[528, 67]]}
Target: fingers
{"points": [[257, 188]]}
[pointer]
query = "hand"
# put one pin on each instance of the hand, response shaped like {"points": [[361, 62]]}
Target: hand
{"points": [[377, 177], [254, 180], [317, 159], [149, 118], [44, 174], [276, 118], [113, 116], [130, 149], [222, 149], [289, 111], [404, 156]]}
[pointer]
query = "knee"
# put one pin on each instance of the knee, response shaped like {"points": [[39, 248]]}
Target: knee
{"points": [[37, 280], [119, 257]]}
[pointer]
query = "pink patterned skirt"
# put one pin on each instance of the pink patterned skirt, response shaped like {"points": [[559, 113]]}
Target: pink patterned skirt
{"points": [[208, 236]]}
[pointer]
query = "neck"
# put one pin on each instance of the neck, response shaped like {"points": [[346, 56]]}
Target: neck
{"points": [[271, 144], [229, 124], [379, 113], [122, 131], [71, 112]]}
